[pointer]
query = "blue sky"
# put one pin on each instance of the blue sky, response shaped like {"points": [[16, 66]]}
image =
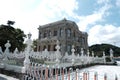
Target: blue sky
{"points": [[99, 18]]}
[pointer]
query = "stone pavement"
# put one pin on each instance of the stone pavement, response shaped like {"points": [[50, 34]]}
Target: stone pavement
{"points": [[5, 77]]}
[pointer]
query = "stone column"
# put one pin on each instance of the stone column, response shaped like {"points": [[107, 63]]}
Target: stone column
{"points": [[39, 47], [111, 55], [51, 45], [1, 52], [27, 52], [7, 45], [104, 57]]}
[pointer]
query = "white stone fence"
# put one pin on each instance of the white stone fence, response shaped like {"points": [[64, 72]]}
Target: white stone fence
{"points": [[49, 56], [24, 58], [45, 72]]}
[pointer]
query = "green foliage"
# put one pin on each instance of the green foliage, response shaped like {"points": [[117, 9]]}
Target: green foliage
{"points": [[15, 36], [99, 48], [108, 59], [34, 46], [9, 23]]}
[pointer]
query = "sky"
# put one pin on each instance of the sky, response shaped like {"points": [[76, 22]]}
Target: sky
{"points": [[99, 18]]}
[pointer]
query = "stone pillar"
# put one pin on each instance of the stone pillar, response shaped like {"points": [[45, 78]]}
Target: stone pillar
{"points": [[51, 48], [47, 46], [28, 49], [104, 57], [58, 53], [41, 47], [7, 45], [82, 52], [1, 52], [111, 55], [58, 32]]}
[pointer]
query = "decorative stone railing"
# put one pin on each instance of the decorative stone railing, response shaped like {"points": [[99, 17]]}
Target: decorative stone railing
{"points": [[45, 72], [25, 58]]}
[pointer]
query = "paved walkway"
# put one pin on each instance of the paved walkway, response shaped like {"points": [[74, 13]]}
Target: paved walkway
{"points": [[4, 77]]}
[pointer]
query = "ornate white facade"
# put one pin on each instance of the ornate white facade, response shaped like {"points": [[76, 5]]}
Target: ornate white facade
{"points": [[66, 32]]}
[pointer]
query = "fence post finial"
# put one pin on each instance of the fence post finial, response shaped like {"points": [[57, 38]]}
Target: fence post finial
{"points": [[28, 49]]}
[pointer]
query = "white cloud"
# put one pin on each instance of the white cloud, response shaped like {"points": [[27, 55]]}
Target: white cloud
{"points": [[57, 8], [104, 34], [52, 10], [118, 3], [97, 16], [98, 33], [29, 14], [102, 1]]}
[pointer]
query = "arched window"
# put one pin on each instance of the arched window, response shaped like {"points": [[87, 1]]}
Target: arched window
{"points": [[44, 48], [55, 33], [68, 32], [45, 34], [54, 47], [49, 33], [49, 47], [61, 32]]}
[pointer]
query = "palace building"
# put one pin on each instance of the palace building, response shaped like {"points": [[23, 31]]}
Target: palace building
{"points": [[66, 32]]}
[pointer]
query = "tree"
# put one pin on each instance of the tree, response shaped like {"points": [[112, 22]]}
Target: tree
{"points": [[15, 36], [99, 48], [10, 22], [34, 46]]}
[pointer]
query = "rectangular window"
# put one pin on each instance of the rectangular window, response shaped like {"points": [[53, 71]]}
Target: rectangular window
{"points": [[49, 33], [45, 34], [44, 48], [48, 47], [54, 48], [61, 32], [55, 33], [74, 34], [68, 31]]}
